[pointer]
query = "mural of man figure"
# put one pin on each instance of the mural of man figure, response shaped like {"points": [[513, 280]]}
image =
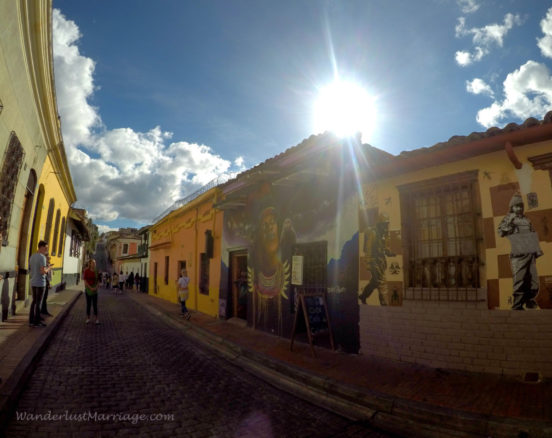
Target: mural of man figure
{"points": [[376, 249], [524, 251]]}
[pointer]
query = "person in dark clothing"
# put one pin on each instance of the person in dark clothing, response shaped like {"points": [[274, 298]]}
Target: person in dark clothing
{"points": [[130, 281], [44, 306]]}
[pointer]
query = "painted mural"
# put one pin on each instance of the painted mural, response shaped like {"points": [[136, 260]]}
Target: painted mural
{"points": [[525, 249], [279, 222], [376, 250]]}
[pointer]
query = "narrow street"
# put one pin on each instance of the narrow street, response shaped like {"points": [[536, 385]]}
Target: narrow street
{"points": [[99, 380]]}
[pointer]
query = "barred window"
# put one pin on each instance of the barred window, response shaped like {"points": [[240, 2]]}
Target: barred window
{"points": [[56, 232], [13, 159], [49, 219], [204, 273], [441, 230], [61, 237]]}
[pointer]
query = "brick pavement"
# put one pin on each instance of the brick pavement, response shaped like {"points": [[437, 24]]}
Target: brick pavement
{"points": [[396, 396], [133, 363]]}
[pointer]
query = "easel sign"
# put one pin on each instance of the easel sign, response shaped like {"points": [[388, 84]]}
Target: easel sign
{"points": [[314, 308]]}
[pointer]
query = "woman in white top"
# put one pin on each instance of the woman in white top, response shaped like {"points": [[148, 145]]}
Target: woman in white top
{"points": [[183, 292]]}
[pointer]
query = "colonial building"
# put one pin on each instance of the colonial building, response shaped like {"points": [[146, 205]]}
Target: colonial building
{"points": [[143, 253], [76, 234], [35, 184], [122, 247], [443, 258], [188, 237], [301, 203]]}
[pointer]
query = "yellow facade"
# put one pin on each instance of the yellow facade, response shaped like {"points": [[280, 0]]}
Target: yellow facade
{"points": [[494, 171], [180, 238], [51, 216], [29, 125]]}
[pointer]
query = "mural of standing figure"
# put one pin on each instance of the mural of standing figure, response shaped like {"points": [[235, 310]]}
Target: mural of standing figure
{"points": [[376, 249], [524, 251]]}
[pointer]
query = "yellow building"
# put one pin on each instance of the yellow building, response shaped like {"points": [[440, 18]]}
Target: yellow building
{"points": [[34, 165], [436, 279], [188, 237]]}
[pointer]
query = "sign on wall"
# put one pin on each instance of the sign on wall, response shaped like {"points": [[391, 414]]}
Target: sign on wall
{"points": [[297, 270]]}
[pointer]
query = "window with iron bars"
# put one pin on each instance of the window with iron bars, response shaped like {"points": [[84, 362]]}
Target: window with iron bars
{"points": [[441, 227], [13, 159]]}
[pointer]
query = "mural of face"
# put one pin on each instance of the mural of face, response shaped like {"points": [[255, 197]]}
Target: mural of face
{"points": [[269, 231]]}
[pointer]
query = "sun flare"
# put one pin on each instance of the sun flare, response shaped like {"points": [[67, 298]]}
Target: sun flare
{"points": [[344, 108]]}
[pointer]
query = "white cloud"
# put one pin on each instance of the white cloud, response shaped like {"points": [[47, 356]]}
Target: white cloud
{"points": [[527, 93], [479, 86], [102, 229], [468, 6], [545, 43], [238, 162], [121, 173], [483, 38]]}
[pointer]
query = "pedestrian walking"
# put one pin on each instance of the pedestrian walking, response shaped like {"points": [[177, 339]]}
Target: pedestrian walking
{"points": [[137, 281], [39, 269], [183, 292], [91, 290], [130, 281], [122, 279], [115, 283], [44, 306]]}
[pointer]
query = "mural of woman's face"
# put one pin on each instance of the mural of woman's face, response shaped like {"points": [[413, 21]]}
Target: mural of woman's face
{"points": [[269, 231]]}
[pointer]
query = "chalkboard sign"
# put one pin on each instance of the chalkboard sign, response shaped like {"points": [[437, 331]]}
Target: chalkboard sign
{"points": [[313, 306]]}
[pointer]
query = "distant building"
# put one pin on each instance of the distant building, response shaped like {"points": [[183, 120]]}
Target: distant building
{"points": [[76, 235], [122, 247], [143, 253], [188, 237]]}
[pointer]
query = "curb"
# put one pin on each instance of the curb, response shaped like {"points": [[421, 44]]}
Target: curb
{"points": [[382, 411], [16, 382]]}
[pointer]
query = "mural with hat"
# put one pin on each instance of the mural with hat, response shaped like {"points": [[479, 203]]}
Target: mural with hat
{"points": [[274, 222], [525, 249]]}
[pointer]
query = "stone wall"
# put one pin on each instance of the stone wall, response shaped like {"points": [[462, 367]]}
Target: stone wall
{"points": [[460, 335]]}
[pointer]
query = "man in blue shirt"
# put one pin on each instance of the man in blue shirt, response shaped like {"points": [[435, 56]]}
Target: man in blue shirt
{"points": [[39, 269]]}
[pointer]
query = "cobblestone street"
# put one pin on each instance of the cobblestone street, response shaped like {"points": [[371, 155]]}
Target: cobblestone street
{"points": [[132, 364]]}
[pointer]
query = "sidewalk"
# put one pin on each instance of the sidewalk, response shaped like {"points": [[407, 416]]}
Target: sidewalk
{"points": [[410, 400], [21, 346]]}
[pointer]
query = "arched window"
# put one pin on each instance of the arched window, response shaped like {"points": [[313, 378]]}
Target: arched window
{"points": [[49, 221], [61, 237], [56, 231], [13, 159]]}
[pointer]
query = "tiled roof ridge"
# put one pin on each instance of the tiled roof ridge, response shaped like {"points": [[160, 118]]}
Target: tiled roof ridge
{"points": [[474, 136]]}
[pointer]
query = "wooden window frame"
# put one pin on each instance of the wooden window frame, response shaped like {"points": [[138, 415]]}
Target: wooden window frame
{"points": [[447, 276]]}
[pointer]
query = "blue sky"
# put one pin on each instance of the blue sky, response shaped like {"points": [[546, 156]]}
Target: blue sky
{"points": [[158, 98]]}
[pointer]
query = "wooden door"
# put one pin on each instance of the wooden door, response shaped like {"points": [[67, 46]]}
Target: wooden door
{"points": [[238, 281]]}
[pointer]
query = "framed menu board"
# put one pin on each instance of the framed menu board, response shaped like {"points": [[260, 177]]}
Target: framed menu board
{"points": [[312, 306]]}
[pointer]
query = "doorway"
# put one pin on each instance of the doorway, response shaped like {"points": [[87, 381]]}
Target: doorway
{"points": [[238, 296], [22, 259]]}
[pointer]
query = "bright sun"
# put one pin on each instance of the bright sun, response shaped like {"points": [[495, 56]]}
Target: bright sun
{"points": [[344, 108]]}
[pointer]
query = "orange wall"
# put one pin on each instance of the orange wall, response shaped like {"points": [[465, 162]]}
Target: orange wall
{"points": [[181, 237]]}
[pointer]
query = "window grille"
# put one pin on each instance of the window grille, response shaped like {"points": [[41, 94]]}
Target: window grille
{"points": [[441, 226], [204, 273], [13, 159]]}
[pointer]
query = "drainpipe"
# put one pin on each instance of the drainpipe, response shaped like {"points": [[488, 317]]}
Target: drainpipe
{"points": [[512, 155]]}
